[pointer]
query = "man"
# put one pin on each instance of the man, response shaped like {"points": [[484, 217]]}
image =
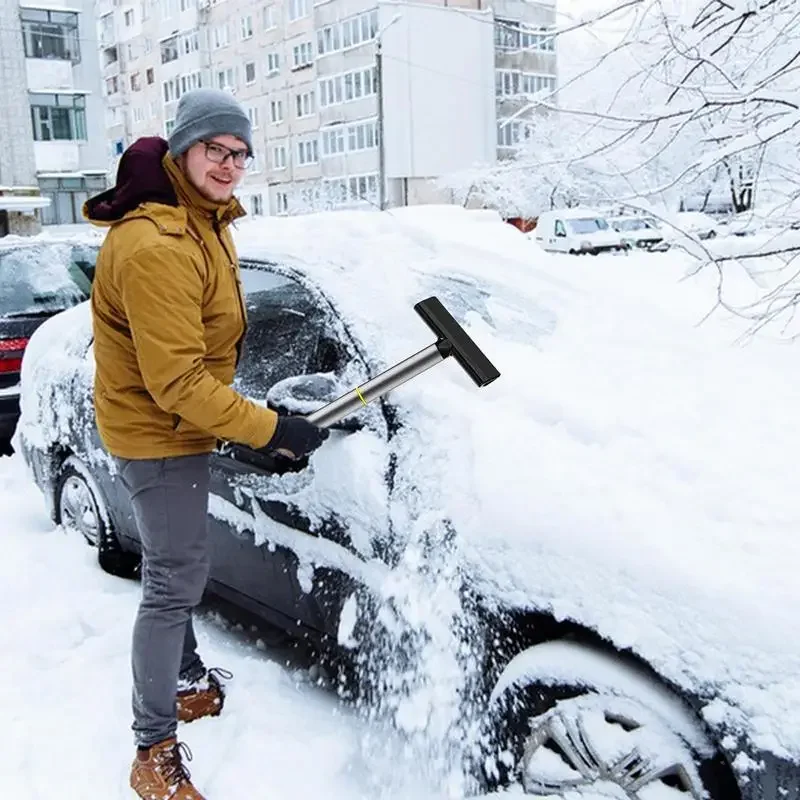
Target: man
{"points": [[169, 319]]}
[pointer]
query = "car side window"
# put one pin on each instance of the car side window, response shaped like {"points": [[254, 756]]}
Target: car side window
{"points": [[289, 333], [560, 230], [82, 266]]}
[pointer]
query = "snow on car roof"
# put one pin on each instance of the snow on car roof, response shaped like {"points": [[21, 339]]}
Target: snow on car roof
{"points": [[630, 469]]}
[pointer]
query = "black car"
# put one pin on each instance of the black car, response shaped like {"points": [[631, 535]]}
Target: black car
{"points": [[38, 279], [348, 549]]}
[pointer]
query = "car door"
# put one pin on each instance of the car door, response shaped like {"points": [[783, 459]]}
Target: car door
{"points": [[287, 536]]}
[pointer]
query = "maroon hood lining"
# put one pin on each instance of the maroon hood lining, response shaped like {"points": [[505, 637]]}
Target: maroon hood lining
{"points": [[141, 178]]}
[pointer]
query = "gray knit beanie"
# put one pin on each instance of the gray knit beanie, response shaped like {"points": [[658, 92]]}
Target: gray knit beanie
{"points": [[204, 113]]}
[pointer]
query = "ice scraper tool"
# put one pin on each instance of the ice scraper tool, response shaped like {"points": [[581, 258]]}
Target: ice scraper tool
{"points": [[451, 340]]}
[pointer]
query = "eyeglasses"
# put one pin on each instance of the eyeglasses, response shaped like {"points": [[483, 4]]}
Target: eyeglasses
{"points": [[219, 154]]}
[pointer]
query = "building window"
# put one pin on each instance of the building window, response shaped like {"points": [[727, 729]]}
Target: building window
{"points": [[246, 27], [188, 82], [169, 126], [112, 85], [221, 36], [252, 113], [67, 196], [511, 34], [308, 152], [512, 133], [129, 18], [169, 50], [257, 205], [138, 115], [107, 34], [353, 190], [303, 54], [136, 82], [305, 104], [269, 18], [273, 63], [348, 33], [298, 9], [172, 90], [51, 34], [276, 111], [349, 138], [226, 78], [250, 72], [190, 42], [281, 203], [58, 117], [509, 83], [347, 87], [151, 76], [333, 141], [279, 157]]}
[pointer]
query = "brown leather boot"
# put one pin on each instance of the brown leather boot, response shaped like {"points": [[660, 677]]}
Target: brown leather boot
{"points": [[159, 773], [203, 697]]}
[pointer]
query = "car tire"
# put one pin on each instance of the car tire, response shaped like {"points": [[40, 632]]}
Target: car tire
{"points": [[551, 734], [80, 506]]}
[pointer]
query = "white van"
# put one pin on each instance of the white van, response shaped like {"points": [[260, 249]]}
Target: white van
{"points": [[577, 230]]}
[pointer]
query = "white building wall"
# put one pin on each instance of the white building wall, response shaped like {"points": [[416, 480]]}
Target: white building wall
{"points": [[439, 96]]}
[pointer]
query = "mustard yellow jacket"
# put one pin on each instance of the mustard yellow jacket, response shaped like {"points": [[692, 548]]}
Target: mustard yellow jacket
{"points": [[169, 319]]}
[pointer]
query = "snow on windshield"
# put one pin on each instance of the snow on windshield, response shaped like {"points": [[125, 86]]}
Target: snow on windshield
{"points": [[40, 279], [587, 225]]}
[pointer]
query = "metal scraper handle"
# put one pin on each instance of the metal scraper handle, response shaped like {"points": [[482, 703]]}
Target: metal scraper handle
{"points": [[452, 340]]}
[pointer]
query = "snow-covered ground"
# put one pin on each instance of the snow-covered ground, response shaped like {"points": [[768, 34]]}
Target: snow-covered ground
{"points": [[65, 690]]}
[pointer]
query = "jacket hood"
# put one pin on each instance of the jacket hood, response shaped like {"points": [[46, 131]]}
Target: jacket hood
{"points": [[140, 179], [148, 174]]}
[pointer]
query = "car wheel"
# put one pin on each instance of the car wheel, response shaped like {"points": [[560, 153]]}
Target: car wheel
{"points": [[81, 507], [565, 718]]}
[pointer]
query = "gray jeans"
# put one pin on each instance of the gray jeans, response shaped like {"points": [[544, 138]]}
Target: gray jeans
{"points": [[169, 497]]}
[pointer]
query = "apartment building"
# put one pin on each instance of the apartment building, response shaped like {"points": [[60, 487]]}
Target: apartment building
{"points": [[52, 125], [525, 65], [308, 74]]}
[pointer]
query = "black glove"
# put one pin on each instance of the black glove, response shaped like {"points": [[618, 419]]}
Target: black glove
{"points": [[295, 437]]}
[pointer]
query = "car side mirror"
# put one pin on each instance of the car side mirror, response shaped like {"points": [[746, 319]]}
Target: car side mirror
{"points": [[303, 394]]}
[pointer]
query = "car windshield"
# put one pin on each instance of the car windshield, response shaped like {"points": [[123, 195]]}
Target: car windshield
{"points": [[43, 280], [587, 225], [631, 224]]}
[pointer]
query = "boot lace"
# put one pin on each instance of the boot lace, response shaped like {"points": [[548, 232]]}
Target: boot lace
{"points": [[173, 769], [223, 673]]}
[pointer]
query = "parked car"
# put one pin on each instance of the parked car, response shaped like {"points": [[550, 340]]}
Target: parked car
{"points": [[577, 231], [693, 224], [362, 549], [640, 232], [38, 278]]}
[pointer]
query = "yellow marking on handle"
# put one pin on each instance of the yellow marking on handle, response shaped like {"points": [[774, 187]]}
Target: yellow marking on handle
{"points": [[361, 396]]}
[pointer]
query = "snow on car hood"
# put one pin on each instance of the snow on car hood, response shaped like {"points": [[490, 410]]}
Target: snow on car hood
{"points": [[630, 469]]}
